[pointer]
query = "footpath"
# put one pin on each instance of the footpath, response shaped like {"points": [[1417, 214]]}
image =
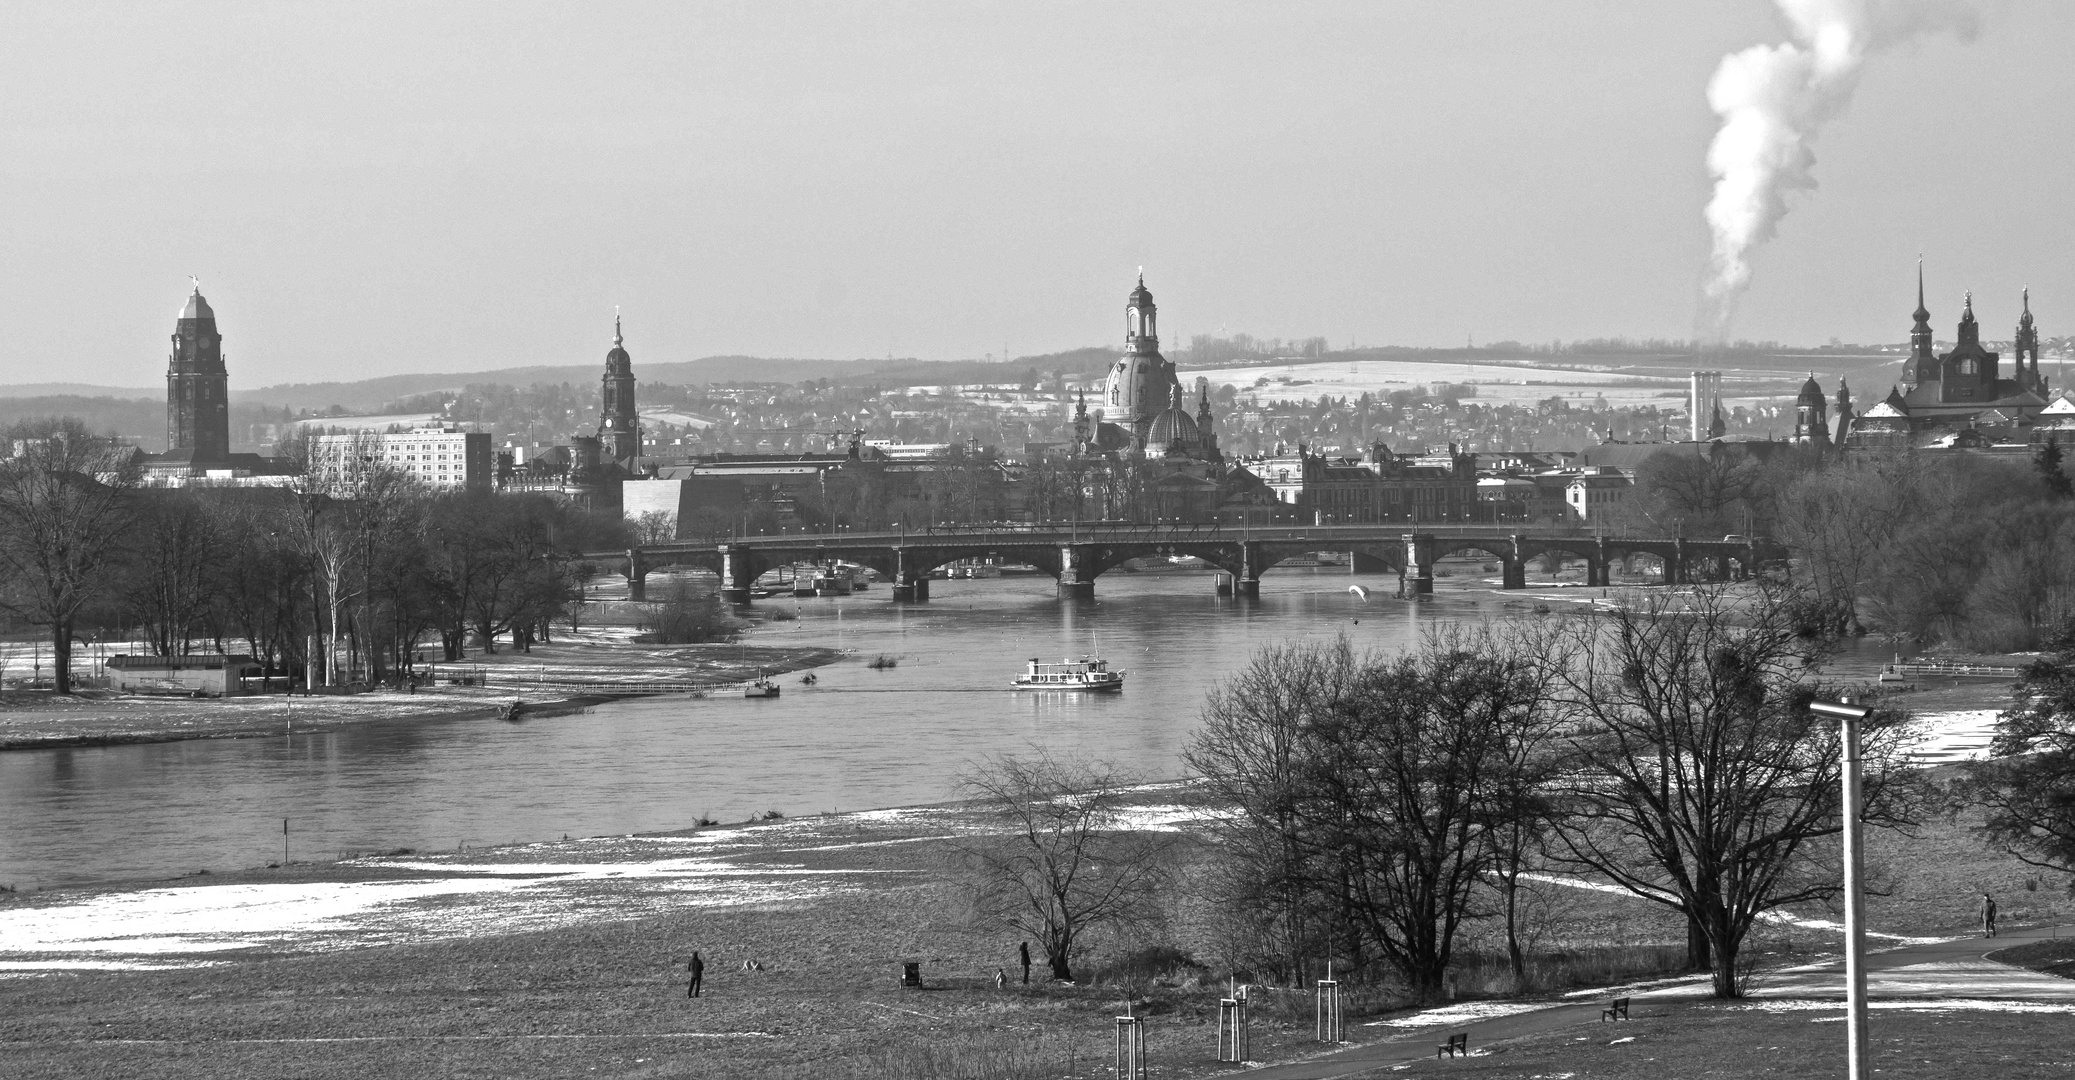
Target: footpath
{"points": [[1955, 969]]}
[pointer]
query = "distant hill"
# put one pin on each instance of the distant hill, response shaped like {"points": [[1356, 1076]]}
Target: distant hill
{"points": [[87, 390], [115, 403], [374, 393], [126, 416]]}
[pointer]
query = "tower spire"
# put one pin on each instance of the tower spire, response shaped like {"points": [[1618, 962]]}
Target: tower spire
{"points": [[1923, 358]]}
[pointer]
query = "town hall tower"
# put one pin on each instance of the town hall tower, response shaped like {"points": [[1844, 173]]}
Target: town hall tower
{"points": [[198, 421]]}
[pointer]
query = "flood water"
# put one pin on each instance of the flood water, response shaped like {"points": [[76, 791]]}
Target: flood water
{"points": [[858, 739]]}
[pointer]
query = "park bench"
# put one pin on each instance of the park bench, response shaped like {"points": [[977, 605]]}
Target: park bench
{"points": [[1458, 1043], [1615, 1010]]}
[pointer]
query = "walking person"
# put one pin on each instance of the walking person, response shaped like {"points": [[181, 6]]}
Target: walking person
{"points": [[1988, 915], [698, 969], [1023, 949]]}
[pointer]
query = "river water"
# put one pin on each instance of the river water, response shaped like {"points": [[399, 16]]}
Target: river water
{"points": [[858, 739]]}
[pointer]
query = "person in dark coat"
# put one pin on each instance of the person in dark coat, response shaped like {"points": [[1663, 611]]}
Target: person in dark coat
{"points": [[1023, 949], [698, 968], [1988, 915]]}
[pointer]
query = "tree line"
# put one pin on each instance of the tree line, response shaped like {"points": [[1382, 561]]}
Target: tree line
{"points": [[1964, 549], [1373, 807], [368, 583]]}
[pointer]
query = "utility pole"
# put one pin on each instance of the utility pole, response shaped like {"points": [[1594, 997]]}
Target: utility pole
{"points": [[1848, 716]]}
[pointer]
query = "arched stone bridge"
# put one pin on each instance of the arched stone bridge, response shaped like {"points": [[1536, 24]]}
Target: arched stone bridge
{"points": [[1076, 554]]}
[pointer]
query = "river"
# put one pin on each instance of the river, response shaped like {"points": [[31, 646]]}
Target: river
{"points": [[857, 739]]}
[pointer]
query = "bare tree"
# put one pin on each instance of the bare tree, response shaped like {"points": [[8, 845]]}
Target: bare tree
{"points": [[64, 507], [655, 527], [2027, 788], [1064, 863], [1839, 520], [1374, 794], [1700, 780], [1528, 745], [1410, 781], [1253, 751], [178, 561]]}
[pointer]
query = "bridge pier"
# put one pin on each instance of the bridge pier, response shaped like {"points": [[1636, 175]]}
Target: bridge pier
{"points": [[1075, 582], [909, 586], [637, 576], [736, 574], [1513, 570], [1675, 566], [1419, 565], [1251, 560]]}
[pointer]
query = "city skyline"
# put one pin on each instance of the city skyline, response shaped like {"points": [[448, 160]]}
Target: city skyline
{"points": [[768, 184]]}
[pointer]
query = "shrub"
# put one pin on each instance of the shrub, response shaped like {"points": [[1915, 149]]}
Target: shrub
{"points": [[690, 616]]}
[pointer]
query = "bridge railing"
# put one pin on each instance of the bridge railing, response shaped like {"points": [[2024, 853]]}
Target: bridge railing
{"points": [[1115, 532]]}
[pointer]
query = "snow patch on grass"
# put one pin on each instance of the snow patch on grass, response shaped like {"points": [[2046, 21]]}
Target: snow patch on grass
{"points": [[1769, 916], [1468, 1012], [1961, 735], [38, 967], [473, 898], [1941, 1005]]}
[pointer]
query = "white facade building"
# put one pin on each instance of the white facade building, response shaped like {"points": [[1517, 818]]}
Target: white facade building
{"points": [[440, 458]]}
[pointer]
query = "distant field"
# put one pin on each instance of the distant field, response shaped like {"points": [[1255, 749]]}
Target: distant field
{"points": [[1651, 383]]}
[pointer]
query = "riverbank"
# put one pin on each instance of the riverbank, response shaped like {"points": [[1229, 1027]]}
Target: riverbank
{"points": [[552, 679], [568, 957]]}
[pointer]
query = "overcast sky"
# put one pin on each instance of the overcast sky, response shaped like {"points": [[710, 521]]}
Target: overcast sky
{"points": [[371, 188]]}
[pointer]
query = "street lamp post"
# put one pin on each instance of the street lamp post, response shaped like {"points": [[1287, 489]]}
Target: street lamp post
{"points": [[1848, 716]]}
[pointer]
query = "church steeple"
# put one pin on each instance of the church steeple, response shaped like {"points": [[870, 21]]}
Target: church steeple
{"points": [[619, 424], [2026, 345], [1923, 357]]}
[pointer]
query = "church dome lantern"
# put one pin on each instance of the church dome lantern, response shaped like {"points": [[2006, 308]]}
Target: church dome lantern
{"points": [[1141, 318]]}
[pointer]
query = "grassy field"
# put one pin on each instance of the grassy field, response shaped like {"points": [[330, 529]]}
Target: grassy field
{"points": [[589, 980], [2054, 957], [1760, 1039]]}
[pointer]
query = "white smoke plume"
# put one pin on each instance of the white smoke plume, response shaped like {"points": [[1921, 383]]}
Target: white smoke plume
{"points": [[1774, 100]]}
